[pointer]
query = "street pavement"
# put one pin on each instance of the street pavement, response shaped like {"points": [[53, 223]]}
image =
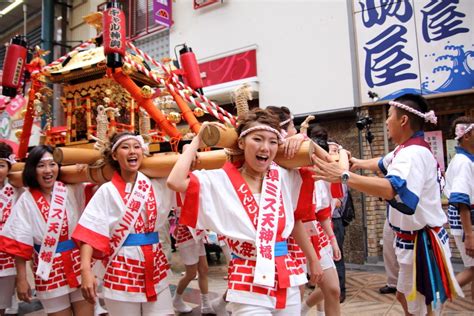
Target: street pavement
{"points": [[362, 297]]}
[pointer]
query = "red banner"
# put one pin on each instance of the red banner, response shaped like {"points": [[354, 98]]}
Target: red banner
{"points": [[239, 66]]}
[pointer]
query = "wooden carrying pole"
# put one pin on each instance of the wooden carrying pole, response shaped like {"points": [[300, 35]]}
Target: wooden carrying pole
{"points": [[70, 156], [214, 136], [19, 166], [160, 165], [72, 174], [226, 137]]}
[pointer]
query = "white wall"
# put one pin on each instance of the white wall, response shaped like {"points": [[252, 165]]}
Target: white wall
{"points": [[303, 55], [79, 30]]}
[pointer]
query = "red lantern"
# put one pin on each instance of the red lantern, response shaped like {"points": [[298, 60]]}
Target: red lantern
{"points": [[14, 65], [114, 34], [192, 74]]}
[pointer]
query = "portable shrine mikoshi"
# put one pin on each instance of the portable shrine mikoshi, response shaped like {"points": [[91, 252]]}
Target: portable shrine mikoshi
{"points": [[107, 89]]}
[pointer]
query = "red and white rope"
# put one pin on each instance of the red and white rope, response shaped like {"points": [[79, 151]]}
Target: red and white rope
{"points": [[64, 57], [181, 85], [161, 81]]}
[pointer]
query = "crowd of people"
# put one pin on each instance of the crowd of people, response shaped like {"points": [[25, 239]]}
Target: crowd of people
{"points": [[281, 228]]}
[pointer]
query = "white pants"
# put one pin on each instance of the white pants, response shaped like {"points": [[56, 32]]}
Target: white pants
{"points": [[246, 310], [389, 257], [57, 304], [162, 306], [405, 284], [7, 289]]}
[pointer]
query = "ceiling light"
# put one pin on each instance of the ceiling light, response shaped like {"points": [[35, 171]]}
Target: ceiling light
{"points": [[10, 7]]}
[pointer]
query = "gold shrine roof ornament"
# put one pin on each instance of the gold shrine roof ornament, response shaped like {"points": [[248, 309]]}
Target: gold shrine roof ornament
{"points": [[88, 64]]}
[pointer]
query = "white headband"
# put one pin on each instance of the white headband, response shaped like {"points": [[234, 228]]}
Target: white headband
{"points": [[462, 129], [138, 138], [287, 121], [428, 116], [262, 128], [10, 159]]}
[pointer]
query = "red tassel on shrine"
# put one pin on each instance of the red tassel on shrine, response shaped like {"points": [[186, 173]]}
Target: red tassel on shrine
{"points": [[114, 34], [14, 65]]}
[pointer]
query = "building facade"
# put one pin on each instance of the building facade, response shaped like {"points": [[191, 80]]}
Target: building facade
{"points": [[317, 57]]}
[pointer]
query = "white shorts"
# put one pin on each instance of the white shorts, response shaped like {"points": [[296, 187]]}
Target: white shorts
{"points": [[7, 289], [326, 260], [162, 306], [56, 304], [404, 285], [468, 261], [245, 309], [191, 252]]}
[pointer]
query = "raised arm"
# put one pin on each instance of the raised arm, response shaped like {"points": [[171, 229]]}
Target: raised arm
{"points": [[344, 159], [178, 179]]}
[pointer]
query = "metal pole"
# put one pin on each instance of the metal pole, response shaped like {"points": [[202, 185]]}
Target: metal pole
{"points": [[25, 17], [47, 21]]}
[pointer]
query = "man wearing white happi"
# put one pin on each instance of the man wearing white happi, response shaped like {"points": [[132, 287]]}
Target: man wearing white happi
{"points": [[460, 192], [412, 188]]}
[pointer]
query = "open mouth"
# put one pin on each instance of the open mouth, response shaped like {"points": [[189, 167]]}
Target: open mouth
{"points": [[48, 178], [132, 161], [262, 158]]}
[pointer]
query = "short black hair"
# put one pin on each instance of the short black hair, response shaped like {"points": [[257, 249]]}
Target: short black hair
{"points": [[5, 152], [33, 159], [320, 136], [417, 102], [461, 120]]}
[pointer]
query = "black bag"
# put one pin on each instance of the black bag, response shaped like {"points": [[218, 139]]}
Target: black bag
{"points": [[348, 213]]}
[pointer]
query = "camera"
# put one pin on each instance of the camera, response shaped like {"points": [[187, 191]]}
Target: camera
{"points": [[364, 122]]}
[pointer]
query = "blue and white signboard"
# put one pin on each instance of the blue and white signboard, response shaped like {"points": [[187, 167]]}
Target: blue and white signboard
{"points": [[414, 46]]}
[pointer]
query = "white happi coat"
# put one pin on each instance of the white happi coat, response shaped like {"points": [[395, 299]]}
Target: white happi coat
{"points": [[324, 207], [184, 235], [323, 210], [413, 174], [26, 227], [460, 188], [217, 207], [124, 278], [7, 262]]}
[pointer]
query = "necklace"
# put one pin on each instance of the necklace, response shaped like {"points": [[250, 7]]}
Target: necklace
{"points": [[244, 171]]}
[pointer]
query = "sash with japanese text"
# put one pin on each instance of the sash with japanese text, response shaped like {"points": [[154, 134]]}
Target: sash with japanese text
{"points": [[269, 207], [54, 224], [135, 203], [264, 216]]}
